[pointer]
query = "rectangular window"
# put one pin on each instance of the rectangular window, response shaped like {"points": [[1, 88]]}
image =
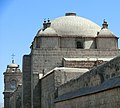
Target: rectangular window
{"points": [[79, 45]]}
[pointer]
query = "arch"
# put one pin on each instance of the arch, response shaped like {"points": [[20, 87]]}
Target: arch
{"points": [[13, 84]]}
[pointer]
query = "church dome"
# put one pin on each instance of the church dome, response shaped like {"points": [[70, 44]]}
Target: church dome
{"points": [[13, 65], [71, 25]]}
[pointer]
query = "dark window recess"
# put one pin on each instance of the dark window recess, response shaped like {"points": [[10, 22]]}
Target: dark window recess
{"points": [[79, 44], [13, 70]]}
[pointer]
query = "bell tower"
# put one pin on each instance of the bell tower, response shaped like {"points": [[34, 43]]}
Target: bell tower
{"points": [[12, 78]]}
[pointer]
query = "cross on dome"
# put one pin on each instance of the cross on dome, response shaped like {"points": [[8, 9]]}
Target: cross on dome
{"points": [[13, 58]]}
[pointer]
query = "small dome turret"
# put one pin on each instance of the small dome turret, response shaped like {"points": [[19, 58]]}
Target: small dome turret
{"points": [[105, 32]]}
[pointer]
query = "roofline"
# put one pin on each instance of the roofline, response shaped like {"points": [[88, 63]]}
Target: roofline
{"points": [[107, 37], [65, 36], [87, 94]]}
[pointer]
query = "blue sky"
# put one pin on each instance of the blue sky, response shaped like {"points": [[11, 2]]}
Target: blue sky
{"points": [[21, 19]]}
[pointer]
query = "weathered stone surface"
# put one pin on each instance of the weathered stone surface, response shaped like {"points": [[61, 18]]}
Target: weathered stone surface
{"points": [[12, 79], [92, 89], [105, 99], [94, 77], [16, 98], [27, 82]]}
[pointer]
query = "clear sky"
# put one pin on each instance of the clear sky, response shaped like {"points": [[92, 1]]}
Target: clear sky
{"points": [[21, 19]]}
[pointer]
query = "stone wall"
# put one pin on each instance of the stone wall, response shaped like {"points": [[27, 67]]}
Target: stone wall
{"points": [[62, 42], [82, 64], [62, 77], [89, 43], [50, 82], [47, 59], [36, 91], [105, 99], [47, 91], [27, 93], [12, 76], [107, 43], [49, 42], [16, 98], [43, 60], [67, 42], [93, 78], [7, 99]]}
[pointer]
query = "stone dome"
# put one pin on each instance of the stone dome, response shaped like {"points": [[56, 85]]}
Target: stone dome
{"points": [[13, 65], [48, 31], [71, 25], [105, 33]]}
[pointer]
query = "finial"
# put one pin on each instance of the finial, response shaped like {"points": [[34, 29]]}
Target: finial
{"points": [[104, 25], [45, 20], [70, 14], [44, 24], [48, 23], [104, 21], [13, 58], [48, 20]]}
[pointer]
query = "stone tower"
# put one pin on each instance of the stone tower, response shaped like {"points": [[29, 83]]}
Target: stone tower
{"points": [[12, 78]]}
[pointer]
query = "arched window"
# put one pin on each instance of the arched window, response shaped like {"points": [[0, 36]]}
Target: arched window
{"points": [[13, 84], [79, 44]]}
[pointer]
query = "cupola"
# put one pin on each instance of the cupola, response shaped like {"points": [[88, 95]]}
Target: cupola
{"points": [[105, 32], [105, 38]]}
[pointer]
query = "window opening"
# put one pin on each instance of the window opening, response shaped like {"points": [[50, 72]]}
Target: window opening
{"points": [[13, 84], [79, 44]]}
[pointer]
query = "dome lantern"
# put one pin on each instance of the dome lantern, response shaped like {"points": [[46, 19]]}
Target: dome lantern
{"points": [[70, 14]]}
